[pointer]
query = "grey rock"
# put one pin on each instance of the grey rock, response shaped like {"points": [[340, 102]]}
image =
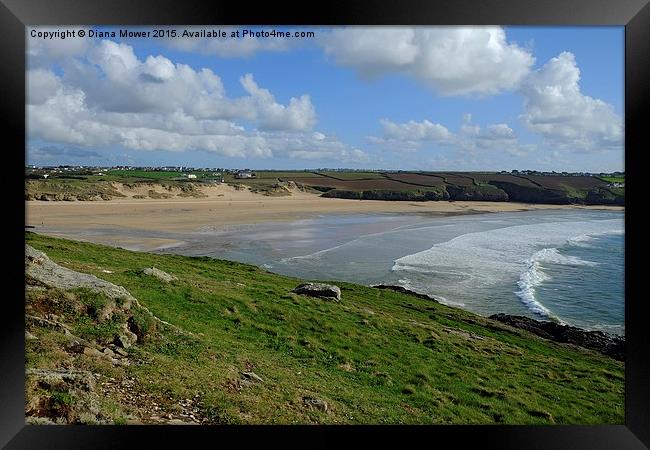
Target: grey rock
{"points": [[63, 378], [315, 403], [180, 422], [58, 326], [462, 333], [29, 336], [120, 351], [34, 420], [90, 351], [157, 273], [321, 290], [252, 376], [124, 341], [76, 344], [404, 290], [40, 268]]}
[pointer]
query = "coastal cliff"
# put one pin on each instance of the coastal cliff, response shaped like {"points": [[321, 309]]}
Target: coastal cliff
{"points": [[495, 191], [401, 186]]}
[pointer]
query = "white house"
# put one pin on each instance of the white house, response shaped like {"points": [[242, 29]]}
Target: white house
{"points": [[191, 175]]}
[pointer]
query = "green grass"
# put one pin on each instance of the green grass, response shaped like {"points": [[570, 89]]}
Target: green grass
{"points": [[574, 193], [613, 179], [376, 357], [143, 174], [283, 174]]}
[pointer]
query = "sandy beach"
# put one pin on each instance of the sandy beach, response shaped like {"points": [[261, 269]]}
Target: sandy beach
{"points": [[225, 205]]}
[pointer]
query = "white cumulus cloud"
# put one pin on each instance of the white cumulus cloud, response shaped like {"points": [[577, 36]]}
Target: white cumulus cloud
{"points": [[416, 131], [105, 95], [298, 115], [470, 139], [555, 108], [451, 60]]}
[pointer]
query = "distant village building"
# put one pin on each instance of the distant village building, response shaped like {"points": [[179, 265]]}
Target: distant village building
{"points": [[191, 176], [244, 174]]}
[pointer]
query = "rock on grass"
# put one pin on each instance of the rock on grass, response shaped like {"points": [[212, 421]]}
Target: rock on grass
{"points": [[162, 276], [321, 290]]}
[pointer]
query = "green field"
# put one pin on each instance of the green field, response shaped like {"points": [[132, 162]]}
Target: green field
{"points": [[463, 186], [613, 179], [285, 174], [147, 175], [143, 174], [353, 175], [378, 356]]}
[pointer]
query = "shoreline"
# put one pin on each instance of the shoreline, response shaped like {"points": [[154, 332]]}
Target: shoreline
{"points": [[146, 240], [225, 206]]}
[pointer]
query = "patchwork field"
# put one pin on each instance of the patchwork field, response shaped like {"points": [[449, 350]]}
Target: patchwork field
{"points": [[414, 186], [464, 186]]}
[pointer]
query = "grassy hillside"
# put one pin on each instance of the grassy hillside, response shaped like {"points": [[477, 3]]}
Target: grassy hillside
{"points": [[378, 356]]}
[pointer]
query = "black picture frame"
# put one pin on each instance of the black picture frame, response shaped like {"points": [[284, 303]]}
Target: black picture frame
{"points": [[15, 15]]}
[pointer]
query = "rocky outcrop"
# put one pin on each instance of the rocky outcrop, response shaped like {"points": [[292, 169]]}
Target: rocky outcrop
{"points": [[56, 378], [533, 194], [403, 290], [604, 343], [604, 196], [321, 290], [40, 268], [484, 193], [62, 396], [157, 273]]}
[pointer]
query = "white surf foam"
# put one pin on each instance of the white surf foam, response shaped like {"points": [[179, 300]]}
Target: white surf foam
{"points": [[534, 276], [463, 267], [528, 281], [584, 239], [553, 255]]}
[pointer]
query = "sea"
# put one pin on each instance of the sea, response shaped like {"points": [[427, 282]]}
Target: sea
{"points": [[562, 265]]}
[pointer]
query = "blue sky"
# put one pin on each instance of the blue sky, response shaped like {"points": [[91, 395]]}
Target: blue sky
{"points": [[423, 98]]}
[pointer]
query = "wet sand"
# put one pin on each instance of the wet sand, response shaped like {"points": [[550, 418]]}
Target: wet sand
{"points": [[223, 206]]}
